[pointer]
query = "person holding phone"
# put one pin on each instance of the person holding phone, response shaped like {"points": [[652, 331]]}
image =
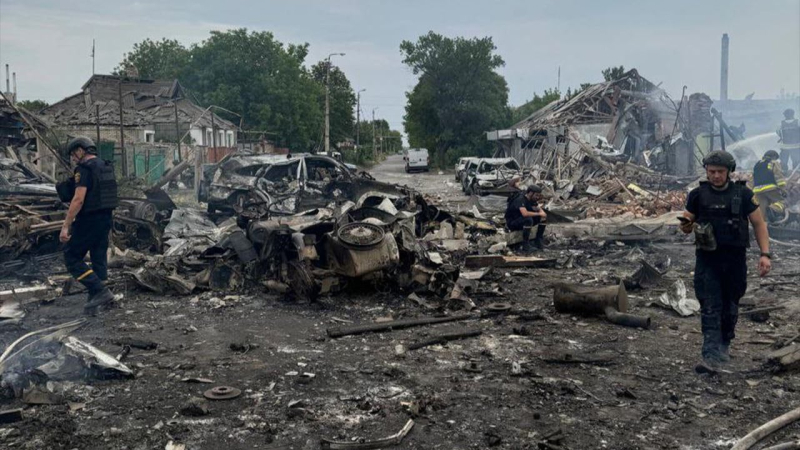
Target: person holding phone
{"points": [[718, 212]]}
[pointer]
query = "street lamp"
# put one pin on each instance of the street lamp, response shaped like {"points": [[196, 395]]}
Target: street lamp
{"points": [[358, 116], [328, 103]]}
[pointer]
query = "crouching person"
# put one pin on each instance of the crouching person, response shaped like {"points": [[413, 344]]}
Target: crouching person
{"points": [[523, 212]]}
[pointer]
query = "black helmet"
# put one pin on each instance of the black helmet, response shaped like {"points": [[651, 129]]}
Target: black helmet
{"points": [[788, 113], [81, 142], [720, 158], [772, 155]]}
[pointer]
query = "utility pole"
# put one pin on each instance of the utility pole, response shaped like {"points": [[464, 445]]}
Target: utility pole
{"points": [[358, 117], [178, 132], [374, 149], [328, 103], [93, 56], [214, 137], [122, 131], [97, 121]]}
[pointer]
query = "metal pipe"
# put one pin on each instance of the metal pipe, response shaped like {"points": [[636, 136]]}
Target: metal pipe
{"points": [[626, 320]]}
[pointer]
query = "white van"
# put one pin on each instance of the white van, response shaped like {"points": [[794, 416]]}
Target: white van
{"points": [[417, 159]]}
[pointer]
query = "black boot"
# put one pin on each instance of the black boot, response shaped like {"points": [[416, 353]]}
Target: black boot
{"points": [[99, 299], [526, 236], [537, 242]]}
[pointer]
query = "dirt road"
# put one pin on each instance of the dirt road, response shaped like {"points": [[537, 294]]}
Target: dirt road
{"points": [[444, 186]]}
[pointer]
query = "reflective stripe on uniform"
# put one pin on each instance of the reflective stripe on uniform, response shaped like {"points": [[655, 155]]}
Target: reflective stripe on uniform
{"points": [[777, 206], [765, 188], [85, 274]]}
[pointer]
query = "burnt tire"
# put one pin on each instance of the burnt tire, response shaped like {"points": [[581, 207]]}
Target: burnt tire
{"points": [[145, 211], [302, 282]]}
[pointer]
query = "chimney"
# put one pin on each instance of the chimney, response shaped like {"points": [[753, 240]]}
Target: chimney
{"points": [[723, 75], [14, 80], [8, 87]]}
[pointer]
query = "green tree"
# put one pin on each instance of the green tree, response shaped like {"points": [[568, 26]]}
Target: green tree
{"points": [[458, 97], [538, 102], [33, 106], [149, 59], [613, 73], [258, 77], [342, 101]]}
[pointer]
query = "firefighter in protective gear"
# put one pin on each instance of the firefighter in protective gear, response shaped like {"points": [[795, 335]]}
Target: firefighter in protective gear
{"points": [[789, 134], [724, 208], [769, 186], [88, 222]]}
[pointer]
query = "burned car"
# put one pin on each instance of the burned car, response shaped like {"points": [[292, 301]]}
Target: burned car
{"points": [[461, 167], [231, 181], [279, 185], [491, 176]]}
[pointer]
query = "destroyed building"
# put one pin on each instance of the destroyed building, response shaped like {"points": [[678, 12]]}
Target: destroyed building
{"points": [[629, 116], [153, 112], [148, 113]]}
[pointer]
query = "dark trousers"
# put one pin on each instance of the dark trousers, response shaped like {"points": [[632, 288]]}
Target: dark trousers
{"points": [[525, 224], [89, 235], [720, 280], [794, 154]]}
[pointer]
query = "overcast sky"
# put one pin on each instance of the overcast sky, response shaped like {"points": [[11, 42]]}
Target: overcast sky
{"points": [[676, 43]]}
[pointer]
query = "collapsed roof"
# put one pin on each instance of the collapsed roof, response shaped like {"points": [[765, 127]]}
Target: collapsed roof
{"points": [[597, 103], [144, 102]]}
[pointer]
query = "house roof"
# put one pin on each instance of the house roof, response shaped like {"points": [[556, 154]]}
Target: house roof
{"points": [[596, 104], [144, 102]]}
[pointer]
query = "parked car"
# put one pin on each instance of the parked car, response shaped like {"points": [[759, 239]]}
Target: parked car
{"points": [[491, 176], [461, 165], [417, 159]]}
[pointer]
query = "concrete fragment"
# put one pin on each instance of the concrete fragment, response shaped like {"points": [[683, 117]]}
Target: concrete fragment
{"points": [[497, 248], [196, 407]]}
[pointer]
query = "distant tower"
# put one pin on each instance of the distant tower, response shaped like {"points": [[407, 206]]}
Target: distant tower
{"points": [[723, 73]]}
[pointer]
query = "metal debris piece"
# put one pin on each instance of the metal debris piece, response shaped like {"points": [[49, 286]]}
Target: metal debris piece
{"points": [[395, 439], [676, 298], [498, 307], [222, 393], [360, 234]]}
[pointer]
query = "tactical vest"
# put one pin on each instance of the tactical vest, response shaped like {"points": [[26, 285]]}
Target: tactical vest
{"points": [[103, 193], [763, 177], [723, 210], [790, 133]]}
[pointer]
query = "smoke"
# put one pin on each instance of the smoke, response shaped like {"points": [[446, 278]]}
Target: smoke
{"points": [[748, 151]]}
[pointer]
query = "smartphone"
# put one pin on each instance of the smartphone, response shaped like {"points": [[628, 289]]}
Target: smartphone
{"points": [[684, 220]]}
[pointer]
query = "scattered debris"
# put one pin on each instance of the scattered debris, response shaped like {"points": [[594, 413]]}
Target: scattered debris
{"points": [[394, 325], [394, 439], [676, 298]]}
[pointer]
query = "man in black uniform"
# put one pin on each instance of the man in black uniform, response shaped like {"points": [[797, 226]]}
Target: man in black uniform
{"points": [[88, 220], [523, 212], [718, 212]]}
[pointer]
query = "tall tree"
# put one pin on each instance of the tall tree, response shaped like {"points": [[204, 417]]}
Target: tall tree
{"points": [[162, 59], [33, 106], [536, 103], [458, 97], [613, 73], [249, 73], [342, 101]]}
